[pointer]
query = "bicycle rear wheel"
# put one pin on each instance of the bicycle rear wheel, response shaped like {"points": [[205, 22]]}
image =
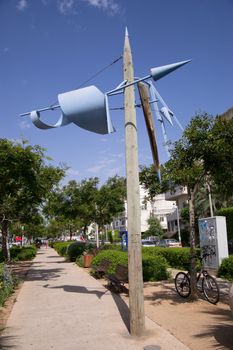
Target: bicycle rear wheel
{"points": [[182, 284], [210, 289]]}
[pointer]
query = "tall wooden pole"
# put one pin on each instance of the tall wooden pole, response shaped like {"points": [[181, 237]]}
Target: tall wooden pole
{"points": [[145, 101], [136, 299]]}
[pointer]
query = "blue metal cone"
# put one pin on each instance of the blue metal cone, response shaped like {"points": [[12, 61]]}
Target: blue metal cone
{"points": [[160, 72]]}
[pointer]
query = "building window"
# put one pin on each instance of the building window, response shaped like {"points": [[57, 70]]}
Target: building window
{"points": [[161, 219]]}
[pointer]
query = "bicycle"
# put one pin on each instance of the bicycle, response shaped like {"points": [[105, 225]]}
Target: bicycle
{"points": [[209, 286]]}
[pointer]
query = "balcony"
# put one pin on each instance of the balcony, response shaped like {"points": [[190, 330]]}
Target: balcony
{"points": [[178, 192]]}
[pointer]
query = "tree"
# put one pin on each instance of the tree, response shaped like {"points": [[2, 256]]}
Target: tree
{"points": [[25, 181], [74, 205], [110, 200], [155, 228], [202, 154]]}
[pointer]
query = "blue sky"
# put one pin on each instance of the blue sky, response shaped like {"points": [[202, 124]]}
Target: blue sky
{"points": [[52, 46]]}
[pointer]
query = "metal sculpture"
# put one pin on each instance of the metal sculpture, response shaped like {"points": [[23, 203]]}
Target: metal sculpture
{"points": [[88, 107]]}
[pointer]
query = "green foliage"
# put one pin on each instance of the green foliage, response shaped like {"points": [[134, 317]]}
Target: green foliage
{"points": [[228, 213], [116, 257], [150, 182], [178, 258], [74, 250], [110, 200], [154, 268], [25, 182], [71, 250], [226, 269], [111, 247], [61, 247], [21, 253], [116, 237], [155, 228], [7, 283], [184, 214], [79, 261], [110, 237]]}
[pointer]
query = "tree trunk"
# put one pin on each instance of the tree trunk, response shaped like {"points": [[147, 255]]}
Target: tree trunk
{"points": [[5, 245], [193, 272]]}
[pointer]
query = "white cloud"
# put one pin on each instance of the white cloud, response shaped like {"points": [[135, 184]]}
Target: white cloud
{"points": [[22, 5], [110, 6], [70, 6], [24, 124], [65, 6]]}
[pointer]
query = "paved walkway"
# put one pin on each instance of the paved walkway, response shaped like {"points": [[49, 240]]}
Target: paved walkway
{"points": [[60, 306]]}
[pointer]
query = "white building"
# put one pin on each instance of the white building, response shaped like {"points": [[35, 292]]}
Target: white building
{"points": [[160, 207]]}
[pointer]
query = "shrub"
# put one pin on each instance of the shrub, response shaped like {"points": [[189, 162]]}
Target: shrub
{"points": [[116, 257], [7, 283], [154, 265], [178, 258], [226, 268], [61, 247], [111, 247], [26, 253], [154, 268], [75, 250], [21, 253]]}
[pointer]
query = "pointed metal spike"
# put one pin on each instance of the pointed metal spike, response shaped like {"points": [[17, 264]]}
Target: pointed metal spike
{"points": [[159, 72], [126, 31]]}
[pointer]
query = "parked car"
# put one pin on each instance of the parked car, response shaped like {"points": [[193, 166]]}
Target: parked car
{"points": [[148, 243], [170, 242]]}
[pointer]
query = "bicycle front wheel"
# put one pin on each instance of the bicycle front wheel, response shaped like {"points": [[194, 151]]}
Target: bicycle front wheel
{"points": [[210, 289], [182, 284]]}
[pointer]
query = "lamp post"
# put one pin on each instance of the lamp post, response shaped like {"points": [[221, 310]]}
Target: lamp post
{"points": [[178, 223]]}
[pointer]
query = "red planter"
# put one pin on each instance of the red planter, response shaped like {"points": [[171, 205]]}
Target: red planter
{"points": [[87, 259]]}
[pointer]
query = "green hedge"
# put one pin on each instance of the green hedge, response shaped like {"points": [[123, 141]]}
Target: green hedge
{"points": [[226, 268], [178, 258], [154, 266], [71, 250], [61, 247], [7, 283], [75, 250], [116, 257], [21, 253], [117, 247]]}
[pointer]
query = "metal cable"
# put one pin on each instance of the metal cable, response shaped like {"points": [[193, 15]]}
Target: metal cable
{"points": [[95, 75]]}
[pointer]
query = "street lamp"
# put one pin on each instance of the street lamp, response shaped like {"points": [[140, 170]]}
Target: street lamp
{"points": [[178, 222]]}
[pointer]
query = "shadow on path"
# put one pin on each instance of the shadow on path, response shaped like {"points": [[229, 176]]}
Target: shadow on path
{"points": [[123, 309], [79, 289], [222, 331], [43, 274], [6, 342]]}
